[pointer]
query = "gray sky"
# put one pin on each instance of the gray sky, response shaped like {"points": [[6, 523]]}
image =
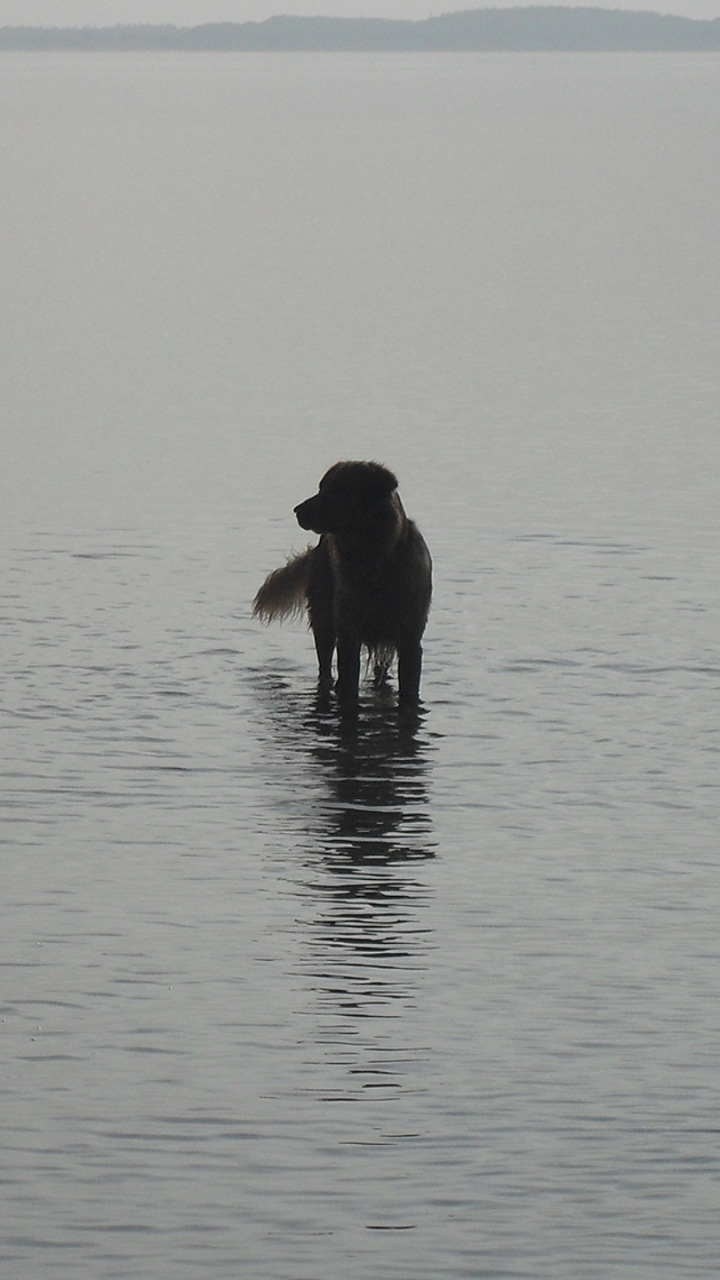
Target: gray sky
{"points": [[99, 13]]}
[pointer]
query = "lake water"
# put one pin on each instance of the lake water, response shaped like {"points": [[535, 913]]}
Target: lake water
{"points": [[279, 1000]]}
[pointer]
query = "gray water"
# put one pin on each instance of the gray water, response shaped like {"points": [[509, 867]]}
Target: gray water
{"points": [[280, 1000]]}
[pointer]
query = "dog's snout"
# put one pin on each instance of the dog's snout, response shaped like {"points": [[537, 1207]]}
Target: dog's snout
{"points": [[303, 514]]}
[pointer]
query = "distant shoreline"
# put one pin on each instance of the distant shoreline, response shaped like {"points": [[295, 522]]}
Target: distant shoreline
{"points": [[535, 29]]}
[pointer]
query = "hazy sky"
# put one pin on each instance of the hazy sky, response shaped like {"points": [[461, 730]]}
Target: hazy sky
{"points": [[99, 13]]}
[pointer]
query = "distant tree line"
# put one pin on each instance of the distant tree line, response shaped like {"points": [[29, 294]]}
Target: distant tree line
{"points": [[530, 29]]}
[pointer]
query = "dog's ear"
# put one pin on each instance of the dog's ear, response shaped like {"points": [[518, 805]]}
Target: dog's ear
{"points": [[384, 481]]}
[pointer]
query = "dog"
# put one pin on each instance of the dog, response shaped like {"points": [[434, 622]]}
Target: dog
{"points": [[367, 583]]}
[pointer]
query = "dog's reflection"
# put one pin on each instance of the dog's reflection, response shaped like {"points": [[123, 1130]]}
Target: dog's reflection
{"points": [[363, 835], [376, 773]]}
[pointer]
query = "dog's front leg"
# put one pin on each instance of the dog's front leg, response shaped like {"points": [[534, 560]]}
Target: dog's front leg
{"points": [[409, 669], [324, 637], [348, 661]]}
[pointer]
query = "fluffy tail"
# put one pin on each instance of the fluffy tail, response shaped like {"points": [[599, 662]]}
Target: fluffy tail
{"points": [[284, 592]]}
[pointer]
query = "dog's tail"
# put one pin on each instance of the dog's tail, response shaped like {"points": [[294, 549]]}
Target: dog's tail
{"points": [[283, 594]]}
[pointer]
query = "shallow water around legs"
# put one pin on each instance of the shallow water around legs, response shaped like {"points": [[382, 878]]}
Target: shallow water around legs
{"points": [[292, 998]]}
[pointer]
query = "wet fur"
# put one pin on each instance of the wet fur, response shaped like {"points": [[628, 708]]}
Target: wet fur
{"points": [[367, 583]]}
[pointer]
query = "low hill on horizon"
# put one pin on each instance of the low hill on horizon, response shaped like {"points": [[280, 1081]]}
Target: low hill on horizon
{"points": [[530, 29]]}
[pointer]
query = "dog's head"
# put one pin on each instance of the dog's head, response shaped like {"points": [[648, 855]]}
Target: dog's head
{"points": [[351, 496]]}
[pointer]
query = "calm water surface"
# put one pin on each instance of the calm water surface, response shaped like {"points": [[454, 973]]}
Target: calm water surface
{"points": [[278, 999]]}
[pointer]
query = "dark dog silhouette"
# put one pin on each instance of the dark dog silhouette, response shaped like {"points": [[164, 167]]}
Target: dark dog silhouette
{"points": [[368, 582]]}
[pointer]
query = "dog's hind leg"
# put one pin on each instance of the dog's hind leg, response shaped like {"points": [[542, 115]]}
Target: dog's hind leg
{"points": [[321, 608], [381, 666]]}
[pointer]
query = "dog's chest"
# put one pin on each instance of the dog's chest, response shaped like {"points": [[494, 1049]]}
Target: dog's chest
{"points": [[366, 598]]}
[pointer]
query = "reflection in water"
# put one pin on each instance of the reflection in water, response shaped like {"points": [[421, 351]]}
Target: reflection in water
{"points": [[364, 831], [375, 771]]}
